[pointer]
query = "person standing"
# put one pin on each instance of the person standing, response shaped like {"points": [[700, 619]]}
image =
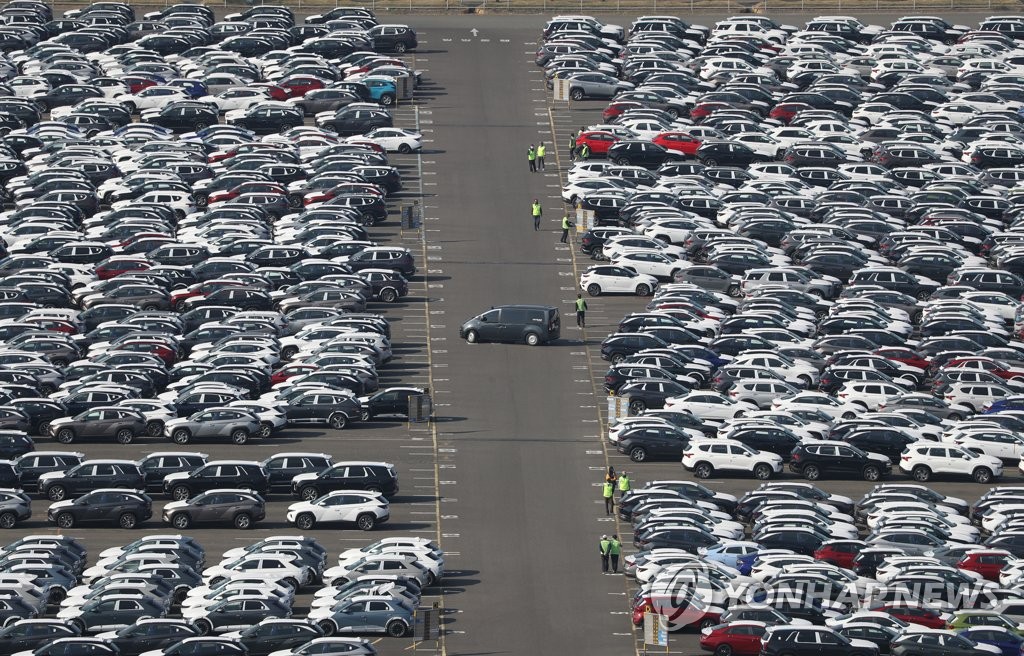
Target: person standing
{"points": [[531, 156], [581, 311], [540, 155], [584, 152], [572, 146], [608, 490], [624, 485], [566, 224], [614, 549], [536, 211], [604, 546]]}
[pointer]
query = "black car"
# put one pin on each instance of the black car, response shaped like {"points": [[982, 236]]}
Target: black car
{"points": [[393, 402], [28, 635], [644, 393], [728, 153], [358, 119], [270, 118], [14, 443], [283, 467], [121, 508], [643, 443], [185, 116], [333, 408], [156, 466], [886, 442], [218, 474], [90, 475], [148, 634], [392, 38], [619, 346], [274, 634], [76, 647], [778, 440], [370, 476], [638, 153], [815, 460]]}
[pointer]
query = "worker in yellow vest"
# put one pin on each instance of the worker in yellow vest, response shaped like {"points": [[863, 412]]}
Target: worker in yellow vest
{"points": [[540, 155], [608, 490], [536, 211]]}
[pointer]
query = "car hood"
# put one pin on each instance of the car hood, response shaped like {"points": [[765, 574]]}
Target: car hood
{"points": [[175, 505], [300, 506], [302, 478], [879, 458], [48, 476], [177, 476]]}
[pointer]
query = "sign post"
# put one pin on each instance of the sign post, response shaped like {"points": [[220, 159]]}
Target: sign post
{"points": [[561, 90], [584, 220], [618, 407], [655, 630], [421, 408], [412, 216], [428, 627]]}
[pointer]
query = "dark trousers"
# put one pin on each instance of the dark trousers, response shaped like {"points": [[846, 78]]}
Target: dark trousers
{"points": [[540, 163], [609, 505], [581, 321], [615, 563], [604, 563], [536, 222], [533, 166], [565, 235], [572, 153]]}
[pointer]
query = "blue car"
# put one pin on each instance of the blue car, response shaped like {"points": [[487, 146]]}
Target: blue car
{"points": [[194, 88], [1003, 405], [730, 552], [744, 564], [1009, 643]]}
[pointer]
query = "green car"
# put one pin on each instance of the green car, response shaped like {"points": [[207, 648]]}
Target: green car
{"points": [[970, 619]]}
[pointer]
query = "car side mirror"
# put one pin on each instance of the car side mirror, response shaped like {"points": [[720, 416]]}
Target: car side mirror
{"points": [[483, 319]]}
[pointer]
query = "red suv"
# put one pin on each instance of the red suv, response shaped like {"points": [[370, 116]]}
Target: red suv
{"points": [[741, 638], [988, 563], [932, 619], [680, 142], [599, 142], [839, 552]]}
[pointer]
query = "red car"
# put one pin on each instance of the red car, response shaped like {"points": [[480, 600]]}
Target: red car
{"points": [[741, 638], [705, 109], [987, 562], [616, 109], [255, 187], [276, 92], [985, 364], [598, 142], [928, 617], [299, 85], [786, 112], [904, 355], [295, 369], [703, 620], [53, 325], [681, 142], [839, 552], [115, 266], [151, 346], [137, 83]]}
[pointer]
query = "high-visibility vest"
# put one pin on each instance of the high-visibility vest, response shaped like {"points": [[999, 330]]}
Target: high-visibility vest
{"points": [[609, 489], [585, 151], [536, 209], [531, 154], [565, 222], [581, 304], [615, 548], [604, 546], [572, 140], [540, 150], [623, 483]]}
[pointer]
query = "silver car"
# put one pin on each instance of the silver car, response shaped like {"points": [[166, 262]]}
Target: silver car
{"points": [[15, 506], [594, 84], [323, 100], [234, 423]]}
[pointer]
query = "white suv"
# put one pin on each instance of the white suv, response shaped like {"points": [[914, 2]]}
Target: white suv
{"points": [[606, 278], [869, 394], [705, 457], [923, 460]]}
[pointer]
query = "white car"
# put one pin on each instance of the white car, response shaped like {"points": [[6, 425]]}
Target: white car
{"points": [[332, 645], [976, 396], [648, 262], [615, 244], [868, 394], [818, 401], [923, 460], [604, 278], [709, 405], [237, 98], [276, 566], [1003, 444], [153, 97], [393, 140], [364, 509], [705, 457], [431, 558], [232, 589]]}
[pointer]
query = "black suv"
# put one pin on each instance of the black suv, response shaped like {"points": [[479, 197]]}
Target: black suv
{"points": [[156, 466], [728, 153], [283, 467], [620, 346], [334, 408], [810, 641], [273, 634], [147, 634], [33, 465], [653, 442], [218, 475], [15, 443], [32, 634], [370, 476], [815, 459], [91, 475], [392, 38], [106, 506]]}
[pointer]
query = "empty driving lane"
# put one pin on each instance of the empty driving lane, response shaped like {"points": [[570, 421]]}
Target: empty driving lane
{"points": [[519, 502]]}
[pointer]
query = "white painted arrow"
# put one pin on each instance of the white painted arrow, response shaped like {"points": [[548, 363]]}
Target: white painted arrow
{"points": [[474, 31]]}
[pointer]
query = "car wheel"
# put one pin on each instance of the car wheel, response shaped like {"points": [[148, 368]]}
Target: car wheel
{"points": [[366, 522], [618, 357], [816, 293], [327, 626], [309, 493], [532, 339], [337, 421], [673, 113], [594, 289], [181, 521], [305, 521], [289, 352], [723, 650], [643, 290], [243, 521], [124, 436], [703, 470], [240, 436], [65, 436], [65, 520], [924, 295], [711, 161], [576, 94], [921, 474], [400, 47], [396, 628], [812, 473], [181, 436], [154, 428], [734, 291], [849, 415], [388, 295], [265, 430], [872, 473], [804, 380], [200, 125], [44, 427], [982, 475], [56, 493], [8, 520], [637, 406], [638, 454], [622, 161], [405, 149], [954, 416], [472, 337], [127, 520], [203, 627], [762, 472], [180, 493], [365, 415]]}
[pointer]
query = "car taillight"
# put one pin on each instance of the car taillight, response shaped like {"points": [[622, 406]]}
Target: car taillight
{"points": [[949, 397], [734, 393], [905, 458]]}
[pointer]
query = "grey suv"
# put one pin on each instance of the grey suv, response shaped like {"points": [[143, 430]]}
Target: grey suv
{"points": [[234, 423], [91, 475], [15, 506], [218, 474], [123, 424], [240, 508]]}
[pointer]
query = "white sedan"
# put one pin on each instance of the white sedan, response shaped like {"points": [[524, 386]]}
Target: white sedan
{"points": [[605, 278], [709, 405], [364, 509], [152, 98], [393, 140], [652, 263], [237, 98]]}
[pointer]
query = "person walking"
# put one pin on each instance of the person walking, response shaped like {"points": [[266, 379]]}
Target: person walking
{"points": [[541, 150], [608, 490], [584, 152], [604, 546], [531, 156], [581, 311], [610, 477], [624, 485], [536, 211], [566, 224], [572, 146], [614, 549]]}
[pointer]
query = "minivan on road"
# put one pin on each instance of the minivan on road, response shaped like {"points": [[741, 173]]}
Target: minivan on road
{"points": [[532, 324]]}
